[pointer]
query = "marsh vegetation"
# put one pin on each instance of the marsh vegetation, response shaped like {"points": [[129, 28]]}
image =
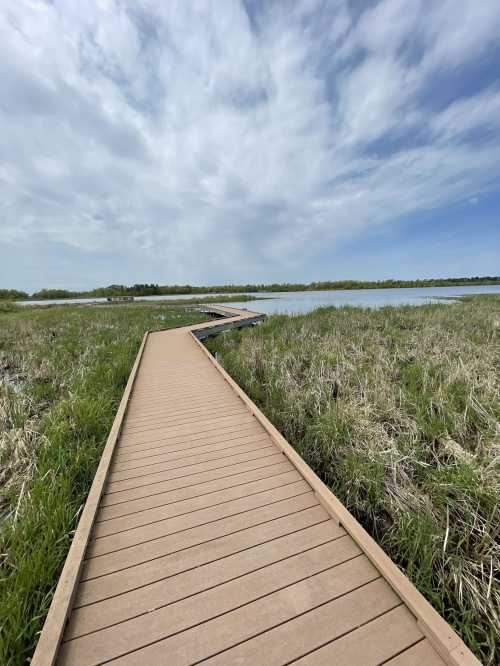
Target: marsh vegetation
{"points": [[398, 411], [62, 374]]}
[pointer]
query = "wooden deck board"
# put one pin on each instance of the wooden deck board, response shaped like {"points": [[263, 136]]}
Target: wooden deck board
{"points": [[191, 412], [194, 490], [186, 479], [371, 644], [205, 567], [212, 541], [180, 419], [200, 463], [184, 451], [113, 542], [221, 435], [422, 653], [185, 538], [178, 508], [191, 455], [223, 623]]}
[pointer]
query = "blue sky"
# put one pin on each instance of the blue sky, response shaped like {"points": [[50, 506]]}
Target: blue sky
{"points": [[226, 141]]}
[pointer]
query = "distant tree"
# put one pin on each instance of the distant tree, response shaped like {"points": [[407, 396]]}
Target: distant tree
{"points": [[155, 289], [12, 295], [46, 294]]}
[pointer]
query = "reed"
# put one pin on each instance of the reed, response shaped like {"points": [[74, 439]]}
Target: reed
{"points": [[398, 411]]}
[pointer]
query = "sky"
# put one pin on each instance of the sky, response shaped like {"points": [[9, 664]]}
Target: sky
{"points": [[207, 142]]}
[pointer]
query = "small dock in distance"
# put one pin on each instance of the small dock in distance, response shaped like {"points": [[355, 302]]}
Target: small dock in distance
{"points": [[207, 539]]}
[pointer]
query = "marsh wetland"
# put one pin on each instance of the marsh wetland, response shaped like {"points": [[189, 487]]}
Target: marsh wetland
{"points": [[397, 409]]}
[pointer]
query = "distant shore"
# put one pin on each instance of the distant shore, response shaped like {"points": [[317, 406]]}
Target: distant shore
{"points": [[139, 290], [174, 302]]}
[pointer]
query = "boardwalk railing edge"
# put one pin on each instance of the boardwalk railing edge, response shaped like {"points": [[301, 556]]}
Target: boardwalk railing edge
{"points": [[60, 607], [447, 643]]}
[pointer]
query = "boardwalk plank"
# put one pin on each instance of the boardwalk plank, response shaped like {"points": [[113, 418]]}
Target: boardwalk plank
{"points": [[300, 636], [202, 568], [223, 434], [121, 471], [182, 479], [200, 427], [345, 609], [177, 412], [214, 634], [216, 459], [145, 533], [170, 421], [183, 451], [194, 490], [421, 654], [182, 507], [185, 538], [371, 644]]}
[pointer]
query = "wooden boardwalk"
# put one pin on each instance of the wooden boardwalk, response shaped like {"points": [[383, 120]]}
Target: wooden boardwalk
{"points": [[205, 538]]}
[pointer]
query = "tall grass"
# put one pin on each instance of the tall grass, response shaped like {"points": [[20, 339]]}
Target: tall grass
{"points": [[398, 411], [62, 374]]}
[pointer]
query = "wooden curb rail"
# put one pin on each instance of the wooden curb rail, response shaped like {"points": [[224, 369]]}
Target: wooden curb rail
{"points": [[172, 433]]}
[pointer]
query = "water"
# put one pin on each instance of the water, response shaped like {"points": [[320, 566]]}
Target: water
{"points": [[168, 297], [299, 302], [293, 302]]}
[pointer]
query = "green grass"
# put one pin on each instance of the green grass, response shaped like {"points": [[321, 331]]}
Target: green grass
{"points": [[398, 411], [62, 374], [8, 306]]}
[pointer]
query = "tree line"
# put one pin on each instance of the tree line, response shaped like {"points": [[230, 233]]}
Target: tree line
{"points": [[163, 290]]}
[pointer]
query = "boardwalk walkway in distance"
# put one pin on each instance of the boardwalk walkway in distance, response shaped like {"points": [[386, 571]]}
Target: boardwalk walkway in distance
{"points": [[206, 538]]}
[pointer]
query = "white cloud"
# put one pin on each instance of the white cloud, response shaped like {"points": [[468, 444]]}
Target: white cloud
{"points": [[480, 113], [457, 32], [200, 141]]}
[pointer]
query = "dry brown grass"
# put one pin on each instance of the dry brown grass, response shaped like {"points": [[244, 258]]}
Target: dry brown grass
{"points": [[398, 411]]}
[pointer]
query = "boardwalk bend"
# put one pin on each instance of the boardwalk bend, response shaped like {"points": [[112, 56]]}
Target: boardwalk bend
{"points": [[206, 538]]}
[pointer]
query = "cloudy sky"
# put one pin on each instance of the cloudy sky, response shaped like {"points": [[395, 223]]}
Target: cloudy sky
{"points": [[253, 140]]}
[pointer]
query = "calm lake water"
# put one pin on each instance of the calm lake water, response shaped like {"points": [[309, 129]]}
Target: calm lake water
{"points": [[62, 301], [292, 302], [295, 302]]}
